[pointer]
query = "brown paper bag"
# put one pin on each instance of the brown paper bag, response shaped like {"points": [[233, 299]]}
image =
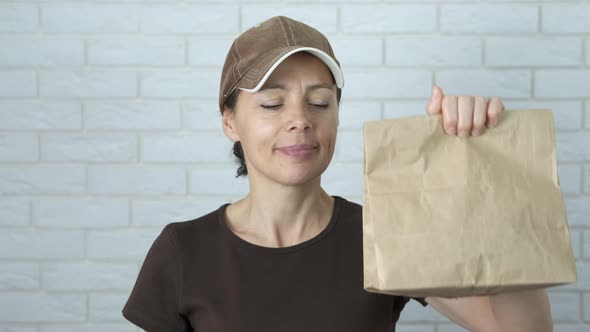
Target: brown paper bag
{"points": [[450, 216]]}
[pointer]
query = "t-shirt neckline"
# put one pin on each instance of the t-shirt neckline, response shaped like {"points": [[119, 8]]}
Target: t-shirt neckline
{"points": [[234, 238]]}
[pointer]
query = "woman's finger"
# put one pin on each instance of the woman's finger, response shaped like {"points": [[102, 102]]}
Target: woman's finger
{"points": [[495, 109], [479, 116], [465, 112], [449, 110], [434, 104]]}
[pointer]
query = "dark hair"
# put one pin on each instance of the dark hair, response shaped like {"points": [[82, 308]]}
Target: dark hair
{"points": [[238, 151]]}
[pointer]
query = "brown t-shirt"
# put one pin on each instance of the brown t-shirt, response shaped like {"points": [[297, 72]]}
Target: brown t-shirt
{"points": [[200, 276]]}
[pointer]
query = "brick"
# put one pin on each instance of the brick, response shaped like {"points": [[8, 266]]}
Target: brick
{"points": [[388, 18], [433, 51], [387, 83], [565, 307], [10, 328], [572, 83], [14, 211], [578, 211], [492, 18], [106, 307], [137, 51], [160, 212], [201, 115], [353, 114], [36, 115], [566, 18], [449, 328], [402, 109], [350, 146], [503, 83], [527, 52], [588, 51], [566, 114], [88, 83], [42, 179], [140, 180], [112, 327], [88, 276], [570, 178], [218, 180], [41, 51], [358, 51], [81, 212], [572, 146], [343, 179], [587, 113], [41, 244], [322, 17], [89, 147], [586, 307], [132, 115], [15, 276], [187, 148], [180, 18], [18, 83], [19, 147], [569, 327], [131, 243], [42, 307], [208, 52], [585, 244], [18, 17], [180, 83], [87, 18]]}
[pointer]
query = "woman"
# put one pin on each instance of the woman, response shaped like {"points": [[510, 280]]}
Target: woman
{"points": [[288, 256]]}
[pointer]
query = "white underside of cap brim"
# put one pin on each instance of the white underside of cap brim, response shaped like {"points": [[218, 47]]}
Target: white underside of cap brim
{"points": [[334, 68]]}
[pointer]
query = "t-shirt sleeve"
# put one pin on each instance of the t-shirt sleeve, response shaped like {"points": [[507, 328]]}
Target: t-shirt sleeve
{"points": [[153, 302], [399, 302], [420, 300]]}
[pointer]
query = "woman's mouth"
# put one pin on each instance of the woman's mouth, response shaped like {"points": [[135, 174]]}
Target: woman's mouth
{"points": [[299, 151]]}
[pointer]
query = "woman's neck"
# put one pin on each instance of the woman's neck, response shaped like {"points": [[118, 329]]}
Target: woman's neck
{"points": [[276, 215]]}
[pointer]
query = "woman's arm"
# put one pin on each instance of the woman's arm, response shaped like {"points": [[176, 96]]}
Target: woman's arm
{"points": [[521, 311]]}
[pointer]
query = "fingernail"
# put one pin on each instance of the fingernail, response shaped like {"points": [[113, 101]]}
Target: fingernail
{"points": [[463, 133], [475, 132], [451, 131]]}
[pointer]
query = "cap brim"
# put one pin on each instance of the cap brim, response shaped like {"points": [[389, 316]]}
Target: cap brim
{"points": [[253, 75]]}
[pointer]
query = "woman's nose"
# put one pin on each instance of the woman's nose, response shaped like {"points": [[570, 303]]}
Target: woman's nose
{"points": [[298, 118]]}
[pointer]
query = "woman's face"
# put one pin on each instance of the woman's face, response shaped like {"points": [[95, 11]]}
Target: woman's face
{"points": [[288, 128]]}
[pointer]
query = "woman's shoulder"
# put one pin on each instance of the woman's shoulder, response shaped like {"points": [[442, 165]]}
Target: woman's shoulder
{"points": [[192, 230], [349, 208]]}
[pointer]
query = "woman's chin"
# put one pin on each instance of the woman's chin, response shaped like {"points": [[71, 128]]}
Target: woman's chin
{"points": [[300, 175]]}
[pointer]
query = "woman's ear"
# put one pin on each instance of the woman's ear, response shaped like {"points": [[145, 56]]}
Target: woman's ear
{"points": [[229, 127]]}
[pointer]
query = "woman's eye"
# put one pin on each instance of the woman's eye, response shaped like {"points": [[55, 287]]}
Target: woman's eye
{"points": [[274, 107], [271, 107]]}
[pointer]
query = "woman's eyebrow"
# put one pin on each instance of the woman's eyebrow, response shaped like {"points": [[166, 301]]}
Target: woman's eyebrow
{"points": [[321, 86], [273, 86]]}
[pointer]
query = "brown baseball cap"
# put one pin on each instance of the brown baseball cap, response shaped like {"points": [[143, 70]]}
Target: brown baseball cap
{"points": [[256, 52]]}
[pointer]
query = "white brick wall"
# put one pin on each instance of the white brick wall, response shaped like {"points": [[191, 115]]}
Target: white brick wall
{"points": [[489, 18], [109, 127]]}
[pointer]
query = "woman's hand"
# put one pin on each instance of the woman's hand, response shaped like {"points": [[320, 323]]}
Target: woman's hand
{"points": [[465, 115]]}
